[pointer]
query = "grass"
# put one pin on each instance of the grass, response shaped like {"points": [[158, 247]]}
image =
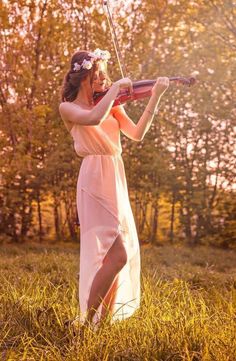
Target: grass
{"points": [[188, 306]]}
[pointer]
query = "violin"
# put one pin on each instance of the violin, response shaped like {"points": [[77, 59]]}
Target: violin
{"points": [[141, 89]]}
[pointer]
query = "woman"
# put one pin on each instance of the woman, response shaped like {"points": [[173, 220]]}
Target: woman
{"points": [[109, 277]]}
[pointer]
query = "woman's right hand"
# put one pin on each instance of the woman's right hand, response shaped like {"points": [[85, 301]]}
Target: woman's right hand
{"points": [[124, 83], [161, 86]]}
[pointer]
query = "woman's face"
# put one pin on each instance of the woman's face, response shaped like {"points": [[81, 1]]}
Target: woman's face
{"points": [[99, 79]]}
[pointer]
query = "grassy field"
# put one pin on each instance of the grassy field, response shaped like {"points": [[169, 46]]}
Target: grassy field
{"points": [[188, 307]]}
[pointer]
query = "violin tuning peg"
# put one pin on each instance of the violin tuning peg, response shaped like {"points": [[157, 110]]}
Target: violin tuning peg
{"points": [[192, 80]]}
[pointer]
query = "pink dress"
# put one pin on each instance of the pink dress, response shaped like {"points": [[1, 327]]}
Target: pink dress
{"points": [[104, 212]]}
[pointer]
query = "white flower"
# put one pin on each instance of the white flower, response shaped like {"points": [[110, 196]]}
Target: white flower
{"points": [[106, 54], [97, 53], [100, 54], [76, 67], [87, 64]]}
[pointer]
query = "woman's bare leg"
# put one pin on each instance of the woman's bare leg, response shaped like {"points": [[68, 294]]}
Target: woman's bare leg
{"points": [[108, 303], [115, 261]]}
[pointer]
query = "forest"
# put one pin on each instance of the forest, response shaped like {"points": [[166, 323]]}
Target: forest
{"points": [[181, 177]]}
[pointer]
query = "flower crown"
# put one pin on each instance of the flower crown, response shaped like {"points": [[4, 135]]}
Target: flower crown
{"points": [[98, 54]]}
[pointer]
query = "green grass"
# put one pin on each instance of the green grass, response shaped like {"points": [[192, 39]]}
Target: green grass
{"points": [[188, 307]]}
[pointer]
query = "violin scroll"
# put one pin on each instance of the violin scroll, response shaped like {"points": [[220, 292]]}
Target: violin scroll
{"points": [[184, 81]]}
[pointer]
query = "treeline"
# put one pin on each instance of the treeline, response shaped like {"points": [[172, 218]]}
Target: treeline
{"points": [[181, 177]]}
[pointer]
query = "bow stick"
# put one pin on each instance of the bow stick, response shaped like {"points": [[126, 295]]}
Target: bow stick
{"points": [[114, 38], [189, 81]]}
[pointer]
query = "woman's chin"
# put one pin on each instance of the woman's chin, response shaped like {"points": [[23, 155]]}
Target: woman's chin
{"points": [[100, 89]]}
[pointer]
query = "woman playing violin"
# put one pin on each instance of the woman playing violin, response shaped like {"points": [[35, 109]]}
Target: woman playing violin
{"points": [[109, 273]]}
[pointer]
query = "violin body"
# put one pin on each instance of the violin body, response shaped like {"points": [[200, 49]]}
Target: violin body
{"points": [[141, 89]]}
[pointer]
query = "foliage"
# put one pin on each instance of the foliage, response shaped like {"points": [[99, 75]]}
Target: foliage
{"points": [[187, 156]]}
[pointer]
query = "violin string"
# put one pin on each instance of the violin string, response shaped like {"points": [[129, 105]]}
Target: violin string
{"points": [[114, 38]]}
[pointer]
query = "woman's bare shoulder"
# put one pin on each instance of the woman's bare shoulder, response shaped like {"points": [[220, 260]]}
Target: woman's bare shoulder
{"points": [[74, 113], [67, 109], [63, 107]]}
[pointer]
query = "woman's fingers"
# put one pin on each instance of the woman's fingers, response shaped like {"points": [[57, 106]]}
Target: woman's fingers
{"points": [[161, 85]]}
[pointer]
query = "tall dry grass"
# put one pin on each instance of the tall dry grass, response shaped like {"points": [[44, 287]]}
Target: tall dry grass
{"points": [[188, 307]]}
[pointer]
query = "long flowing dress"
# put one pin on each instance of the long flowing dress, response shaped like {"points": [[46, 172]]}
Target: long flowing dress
{"points": [[104, 212]]}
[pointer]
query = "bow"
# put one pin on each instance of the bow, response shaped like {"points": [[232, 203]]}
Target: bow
{"points": [[114, 38]]}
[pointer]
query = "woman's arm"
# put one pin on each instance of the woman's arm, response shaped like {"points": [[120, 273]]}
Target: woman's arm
{"points": [[137, 131], [74, 114], [127, 126]]}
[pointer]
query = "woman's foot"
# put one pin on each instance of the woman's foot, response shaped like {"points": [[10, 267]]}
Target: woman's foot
{"points": [[77, 327]]}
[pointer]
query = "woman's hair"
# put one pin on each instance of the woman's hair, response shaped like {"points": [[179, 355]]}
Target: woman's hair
{"points": [[72, 80]]}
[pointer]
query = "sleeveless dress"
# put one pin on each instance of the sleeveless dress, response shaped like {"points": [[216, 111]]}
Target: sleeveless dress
{"points": [[104, 212]]}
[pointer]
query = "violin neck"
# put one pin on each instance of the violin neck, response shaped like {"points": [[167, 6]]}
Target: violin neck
{"points": [[153, 81]]}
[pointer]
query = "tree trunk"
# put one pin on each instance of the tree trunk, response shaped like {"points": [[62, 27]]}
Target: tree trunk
{"points": [[40, 229], [137, 209], [143, 216], [188, 229], [154, 221], [56, 218], [70, 221], [172, 217]]}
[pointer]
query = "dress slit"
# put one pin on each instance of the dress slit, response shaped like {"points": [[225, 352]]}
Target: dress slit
{"points": [[98, 234], [90, 283]]}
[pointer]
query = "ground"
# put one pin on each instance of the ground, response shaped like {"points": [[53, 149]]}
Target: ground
{"points": [[188, 306]]}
